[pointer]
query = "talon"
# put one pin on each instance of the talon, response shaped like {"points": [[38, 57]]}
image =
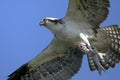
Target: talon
{"points": [[83, 47]]}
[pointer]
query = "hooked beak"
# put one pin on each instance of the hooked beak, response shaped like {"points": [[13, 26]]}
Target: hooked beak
{"points": [[42, 23]]}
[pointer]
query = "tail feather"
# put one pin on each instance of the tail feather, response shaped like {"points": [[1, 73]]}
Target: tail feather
{"points": [[112, 56], [109, 60], [91, 62], [114, 33]]}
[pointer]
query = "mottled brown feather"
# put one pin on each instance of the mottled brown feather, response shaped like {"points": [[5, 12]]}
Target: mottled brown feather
{"points": [[112, 56], [58, 67], [94, 11]]}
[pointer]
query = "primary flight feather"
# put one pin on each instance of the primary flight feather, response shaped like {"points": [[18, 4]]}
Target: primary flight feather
{"points": [[76, 34]]}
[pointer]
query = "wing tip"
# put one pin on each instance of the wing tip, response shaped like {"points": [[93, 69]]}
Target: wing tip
{"points": [[18, 73]]}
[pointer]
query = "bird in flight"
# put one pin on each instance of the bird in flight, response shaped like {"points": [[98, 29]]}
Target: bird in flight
{"points": [[77, 34]]}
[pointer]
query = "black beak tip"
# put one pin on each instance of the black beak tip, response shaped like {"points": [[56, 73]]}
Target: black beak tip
{"points": [[41, 23]]}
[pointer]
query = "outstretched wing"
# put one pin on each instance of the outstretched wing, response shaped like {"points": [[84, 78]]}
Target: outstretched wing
{"points": [[59, 61], [92, 11], [113, 55]]}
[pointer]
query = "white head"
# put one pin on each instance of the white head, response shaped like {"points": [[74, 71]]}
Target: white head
{"points": [[54, 24]]}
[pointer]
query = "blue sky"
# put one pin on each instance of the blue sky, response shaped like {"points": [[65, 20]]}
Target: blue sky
{"points": [[21, 37]]}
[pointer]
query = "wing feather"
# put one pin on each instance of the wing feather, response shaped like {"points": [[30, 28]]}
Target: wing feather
{"points": [[111, 57], [92, 11], [59, 61], [114, 33]]}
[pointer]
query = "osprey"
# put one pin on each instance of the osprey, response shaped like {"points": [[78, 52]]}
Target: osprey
{"points": [[76, 34]]}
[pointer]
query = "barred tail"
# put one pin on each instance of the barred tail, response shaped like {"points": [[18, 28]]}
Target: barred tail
{"points": [[114, 33], [113, 56]]}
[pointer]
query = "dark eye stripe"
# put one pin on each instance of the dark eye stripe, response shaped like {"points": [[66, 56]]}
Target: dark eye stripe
{"points": [[57, 21], [54, 21]]}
